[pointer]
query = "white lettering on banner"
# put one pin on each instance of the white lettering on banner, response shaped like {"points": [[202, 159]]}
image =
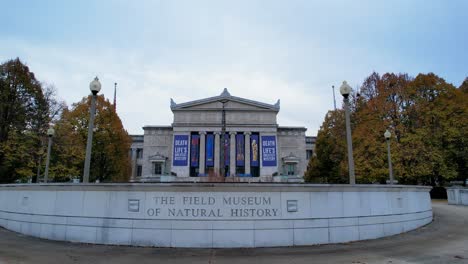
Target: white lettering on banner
{"points": [[269, 154], [269, 143], [181, 143]]}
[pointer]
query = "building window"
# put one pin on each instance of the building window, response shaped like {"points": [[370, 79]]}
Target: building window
{"points": [[139, 153], [309, 153], [158, 168], [291, 168], [139, 169]]}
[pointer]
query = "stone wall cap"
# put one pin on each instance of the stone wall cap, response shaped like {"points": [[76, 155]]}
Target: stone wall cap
{"points": [[214, 187]]}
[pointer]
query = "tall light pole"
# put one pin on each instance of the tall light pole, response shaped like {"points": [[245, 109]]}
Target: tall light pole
{"points": [[387, 136], [50, 134], [334, 100], [95, 87], [222, 165], [38, 173], [345, 90]]}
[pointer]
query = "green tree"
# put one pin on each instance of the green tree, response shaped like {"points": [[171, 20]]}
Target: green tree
{"points": [[24, 118], [458, 131], [109, 160], [326, 166]]}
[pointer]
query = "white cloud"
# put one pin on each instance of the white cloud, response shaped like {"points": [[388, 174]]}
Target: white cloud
{"points": [[144, 88], [261, 50]]}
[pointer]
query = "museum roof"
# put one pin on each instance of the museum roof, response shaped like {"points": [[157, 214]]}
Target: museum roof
{"points": [[291, 128], [157, 127], [225, 96]]}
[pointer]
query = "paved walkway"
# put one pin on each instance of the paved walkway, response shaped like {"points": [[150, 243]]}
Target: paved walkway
{"points": [[443, 241]]}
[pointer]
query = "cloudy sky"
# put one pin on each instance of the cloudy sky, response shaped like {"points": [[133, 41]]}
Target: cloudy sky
{"points": [[261, 50]]}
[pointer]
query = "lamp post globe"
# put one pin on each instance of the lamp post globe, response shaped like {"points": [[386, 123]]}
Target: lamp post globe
{"points": [[345, 91], [50, 134], [387, 136], [95, 87]]}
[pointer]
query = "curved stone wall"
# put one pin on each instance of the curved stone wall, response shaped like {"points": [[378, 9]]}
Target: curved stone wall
{"points": [[213, 215], [457, 195]]}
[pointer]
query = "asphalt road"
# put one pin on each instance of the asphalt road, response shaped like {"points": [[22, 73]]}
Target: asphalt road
{"points": [[443, 241]]}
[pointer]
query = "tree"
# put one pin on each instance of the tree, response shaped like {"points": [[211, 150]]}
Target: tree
{"points": [[109, 159], [464, 86], [24, 118], [458, 131], [326, 166], [381, 106], [417, 111], [427, 118]]}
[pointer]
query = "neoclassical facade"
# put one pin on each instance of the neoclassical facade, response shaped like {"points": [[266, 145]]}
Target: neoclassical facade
{"points": [[220, 135]]}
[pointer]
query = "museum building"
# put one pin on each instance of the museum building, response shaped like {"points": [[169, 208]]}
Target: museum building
{"points": [[254, 147]]}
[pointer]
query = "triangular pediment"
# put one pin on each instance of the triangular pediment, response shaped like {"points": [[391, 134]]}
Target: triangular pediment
{"points": [[230, 103], [157, 158]]}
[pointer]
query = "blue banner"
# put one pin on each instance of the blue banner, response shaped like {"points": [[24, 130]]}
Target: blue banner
{"points": [[254, 151], [227, 152], [194, 150], [240, 145], [269, 151], [180, 153], [210, 150]]}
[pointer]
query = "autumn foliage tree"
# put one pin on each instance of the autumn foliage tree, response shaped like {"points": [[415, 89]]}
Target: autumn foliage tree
{"points": [[25, 112], [109, 159], [428, 120]]}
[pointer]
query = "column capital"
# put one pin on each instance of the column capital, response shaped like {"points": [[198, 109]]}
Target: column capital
{"points": [[247, 133], [232, 133], [217, 132], [202, 132]]}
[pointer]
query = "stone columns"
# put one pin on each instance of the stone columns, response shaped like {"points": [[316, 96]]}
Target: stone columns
{"points": [[247, 152], [217, 153], [202, 153], [134, 165], [232, 164]]}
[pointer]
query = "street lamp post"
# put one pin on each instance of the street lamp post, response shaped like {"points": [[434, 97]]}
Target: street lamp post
{"points": [[387, 136], [38, 173], [50, 134], [334, 100], [345, 91], [95, 87]]}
